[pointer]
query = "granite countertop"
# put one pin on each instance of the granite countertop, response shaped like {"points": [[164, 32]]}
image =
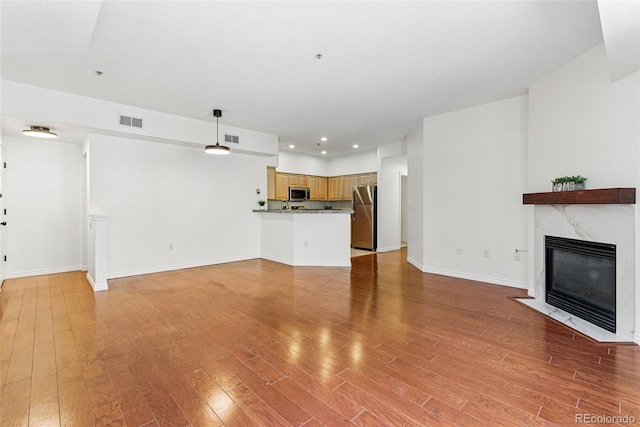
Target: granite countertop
{"points": [[306, 211]]}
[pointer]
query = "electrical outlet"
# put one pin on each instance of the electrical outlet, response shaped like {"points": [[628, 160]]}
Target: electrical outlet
{"points": [[458, 250], [486, 253], [516, 256], [306, 244], [257, 191], [170, 246]]}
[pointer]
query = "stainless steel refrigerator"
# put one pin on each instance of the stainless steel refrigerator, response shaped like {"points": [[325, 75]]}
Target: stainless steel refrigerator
{"points": [[364, 224]]}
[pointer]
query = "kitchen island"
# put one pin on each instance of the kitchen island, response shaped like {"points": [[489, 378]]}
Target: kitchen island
{"points": [[310, 237]]}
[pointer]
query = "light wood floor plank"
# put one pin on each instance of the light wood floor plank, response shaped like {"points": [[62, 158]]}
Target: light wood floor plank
{"points": [[261, 343]]}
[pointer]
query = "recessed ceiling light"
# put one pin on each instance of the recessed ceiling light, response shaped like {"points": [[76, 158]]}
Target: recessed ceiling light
{"points": [[292, 146], [323, 139], [39, 132], [323, 152], [356, 146], [318, 56], [99, 73]]}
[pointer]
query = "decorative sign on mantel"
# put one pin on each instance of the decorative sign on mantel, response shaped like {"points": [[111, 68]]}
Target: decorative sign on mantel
{"points": [[568, 183], [602, 196]]}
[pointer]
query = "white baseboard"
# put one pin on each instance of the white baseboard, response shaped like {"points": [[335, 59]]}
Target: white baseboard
{"points": [[306, 263], [388, 248], [477, 277], [161, 269], [531, 293], [415, 263], [97, 288], [43, 271], [636, 338]]}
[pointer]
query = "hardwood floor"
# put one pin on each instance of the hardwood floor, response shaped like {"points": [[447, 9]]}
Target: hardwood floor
{"points": [[260, 343]]}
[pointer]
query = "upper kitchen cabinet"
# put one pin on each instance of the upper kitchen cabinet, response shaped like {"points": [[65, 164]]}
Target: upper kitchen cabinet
{"points": [[368, 178], [294, 180], [271, 183], [318, 187], [298, 180], [335, 187], [349, 181], [282, 186], [322, 187]]}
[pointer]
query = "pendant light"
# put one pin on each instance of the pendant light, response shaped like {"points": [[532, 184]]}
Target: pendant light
{"points": [[39, 132], [217, 149]]}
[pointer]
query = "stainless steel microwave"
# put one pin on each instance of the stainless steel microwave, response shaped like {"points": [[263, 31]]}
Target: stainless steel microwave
{"points": [[299, 194]]}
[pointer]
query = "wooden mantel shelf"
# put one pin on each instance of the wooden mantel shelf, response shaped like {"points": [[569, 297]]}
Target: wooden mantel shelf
{"points": [[602, 196]]}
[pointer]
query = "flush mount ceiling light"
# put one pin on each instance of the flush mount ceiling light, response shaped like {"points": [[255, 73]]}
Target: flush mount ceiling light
{"points": [[217, 149], [356, 146], [292, 146], [323, 152], [39, 132], [323, 139]]}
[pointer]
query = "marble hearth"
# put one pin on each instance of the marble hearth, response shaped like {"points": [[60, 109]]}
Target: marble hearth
{"points": [[606, 223]]}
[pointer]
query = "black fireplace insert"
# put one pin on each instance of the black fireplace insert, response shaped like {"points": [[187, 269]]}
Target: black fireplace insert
{"points": [[581, 279]]}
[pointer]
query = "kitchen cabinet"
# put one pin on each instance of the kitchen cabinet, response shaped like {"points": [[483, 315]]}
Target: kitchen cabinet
{"points": [[368, 178], [313, 187], [349, 181], [335, 187], [294, 180], [318, 187], [322, 187], [282, 186], [332, 188], [271, 183]]}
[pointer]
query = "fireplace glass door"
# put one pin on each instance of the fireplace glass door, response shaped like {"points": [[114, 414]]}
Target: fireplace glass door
{"points": [[581, 279]]}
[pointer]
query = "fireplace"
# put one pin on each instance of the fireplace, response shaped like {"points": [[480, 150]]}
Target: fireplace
{"points": [[581, 279]]}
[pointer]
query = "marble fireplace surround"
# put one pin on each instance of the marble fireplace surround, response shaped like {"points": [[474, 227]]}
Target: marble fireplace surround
{"points": [[606, 223]]}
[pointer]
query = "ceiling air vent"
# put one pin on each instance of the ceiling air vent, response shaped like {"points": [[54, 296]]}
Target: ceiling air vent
{"points": [[133, 122], [232, 138]]}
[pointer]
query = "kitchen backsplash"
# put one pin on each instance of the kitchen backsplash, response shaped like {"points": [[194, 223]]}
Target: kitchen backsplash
{"points": [[276, 204]]}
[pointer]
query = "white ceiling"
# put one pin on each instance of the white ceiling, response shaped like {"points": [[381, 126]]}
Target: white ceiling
{"points": [[385, 64]]}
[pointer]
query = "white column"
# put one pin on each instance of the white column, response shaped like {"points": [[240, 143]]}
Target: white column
{"points": [[98, 248]]}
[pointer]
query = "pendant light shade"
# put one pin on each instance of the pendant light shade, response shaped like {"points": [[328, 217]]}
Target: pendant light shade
{"points": [[39, 132], [217, 149]]}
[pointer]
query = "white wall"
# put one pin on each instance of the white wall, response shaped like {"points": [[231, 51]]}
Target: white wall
{"points": [[358, 162], [403, 209], [580, 123], [44, 206], [475, 171], [3, 241], [157, 194], [415, 194], [306, 164], [46, 107]]}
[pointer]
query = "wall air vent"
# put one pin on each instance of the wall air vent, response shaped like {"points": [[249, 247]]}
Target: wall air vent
{"points": [[133, 122], [232, 138]]}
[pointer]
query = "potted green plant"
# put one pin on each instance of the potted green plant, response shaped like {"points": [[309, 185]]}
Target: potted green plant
{"points": [[262, 204], [568, 183]]}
